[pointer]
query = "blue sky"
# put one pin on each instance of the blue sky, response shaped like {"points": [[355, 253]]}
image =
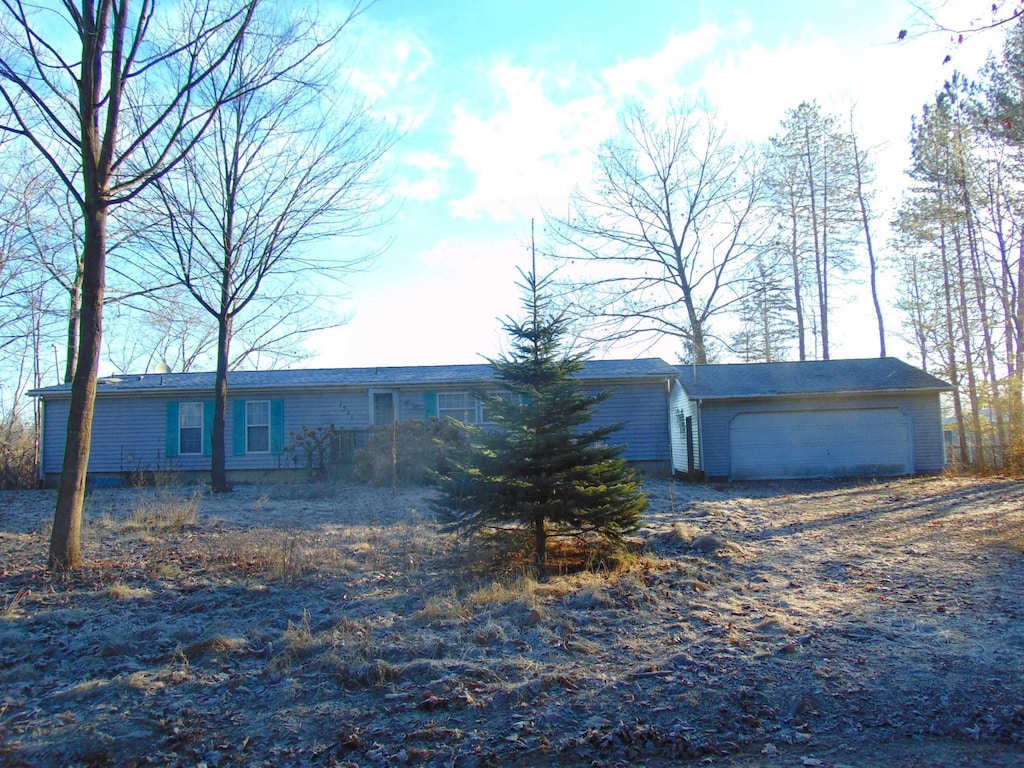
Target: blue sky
{"points": [[502, 106]]}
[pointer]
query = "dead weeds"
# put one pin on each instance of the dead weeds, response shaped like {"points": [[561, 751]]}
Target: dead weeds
{"points": [[797, 624]]}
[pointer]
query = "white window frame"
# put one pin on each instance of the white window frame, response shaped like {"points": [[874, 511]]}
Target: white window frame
{"points": [[478, 408], [250, 425], [468, 404], [184, 408]]}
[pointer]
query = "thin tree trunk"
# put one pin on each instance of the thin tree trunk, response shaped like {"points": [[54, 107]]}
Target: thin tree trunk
{"points": [[968, 350], [872, 264], [989, 372], [814, 212], [218, 461], [951, 355], [797, 289], [823, 275], [1016, 362], [65, 540]]}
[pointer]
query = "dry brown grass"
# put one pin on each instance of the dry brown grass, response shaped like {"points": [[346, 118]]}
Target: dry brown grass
{"points": [[164, 511], [353, 631]]}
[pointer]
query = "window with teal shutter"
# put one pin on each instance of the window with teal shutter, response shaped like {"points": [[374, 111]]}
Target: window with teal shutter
{"points": [[238, 427], [190, 429], [171, 433], [430, 405]]}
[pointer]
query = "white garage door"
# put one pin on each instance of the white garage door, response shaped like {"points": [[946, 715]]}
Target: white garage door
{"points": [[838, 443]]}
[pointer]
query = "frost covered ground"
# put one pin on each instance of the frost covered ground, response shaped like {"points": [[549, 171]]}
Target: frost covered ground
{"points": [[802, 624]]}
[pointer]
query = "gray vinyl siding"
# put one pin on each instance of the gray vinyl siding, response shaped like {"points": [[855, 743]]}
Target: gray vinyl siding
{"points": [[128, 434], [345, 409], [129, 431], [927, 452], [929, 447], [643, 409], [681, 408]]}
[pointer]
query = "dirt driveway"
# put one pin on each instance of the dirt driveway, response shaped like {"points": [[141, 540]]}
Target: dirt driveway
{"points": [[819, 624]]}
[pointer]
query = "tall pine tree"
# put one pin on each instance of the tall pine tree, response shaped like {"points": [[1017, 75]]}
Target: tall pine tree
{"points": [[540, 469]]}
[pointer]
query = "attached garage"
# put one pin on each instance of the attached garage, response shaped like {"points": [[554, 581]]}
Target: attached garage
{"points": [[842, 418]]}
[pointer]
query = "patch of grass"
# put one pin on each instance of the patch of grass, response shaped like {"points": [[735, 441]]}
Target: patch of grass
{"points": [[287, 561], [298, 638], [126, 592], [9, 608], [444, 607], [276, 555], [164, 512], [499, 593], [215, 645]]}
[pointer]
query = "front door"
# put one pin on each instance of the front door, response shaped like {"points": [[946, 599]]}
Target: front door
{"points": [[383, 408]]}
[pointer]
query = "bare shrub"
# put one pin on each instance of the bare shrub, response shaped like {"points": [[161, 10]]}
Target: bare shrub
{"points": [[411, 454], [18, 467]]}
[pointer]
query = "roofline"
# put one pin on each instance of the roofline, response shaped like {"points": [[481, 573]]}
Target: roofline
{"points": [[762, 395], [61, 394]]}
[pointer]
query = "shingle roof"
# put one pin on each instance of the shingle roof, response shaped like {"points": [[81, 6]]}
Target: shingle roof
{"points": [[747, 380], [480, 373]]}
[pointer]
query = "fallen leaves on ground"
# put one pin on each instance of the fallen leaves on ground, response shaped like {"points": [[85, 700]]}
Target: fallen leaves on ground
{"points": [[824, 624]]}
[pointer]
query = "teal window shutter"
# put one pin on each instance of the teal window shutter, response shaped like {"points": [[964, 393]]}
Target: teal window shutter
{"points": [[171, 447], [277, 426], [430, 405], [208, 407], [238, 427]]}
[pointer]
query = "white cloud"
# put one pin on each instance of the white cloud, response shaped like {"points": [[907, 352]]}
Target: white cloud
{"points": [[427, 161], [526, 156], [387, 66], [657, 75], [426, 190]]}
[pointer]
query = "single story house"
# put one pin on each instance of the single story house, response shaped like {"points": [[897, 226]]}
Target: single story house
{"points": [[831, 418], [162, 421]]}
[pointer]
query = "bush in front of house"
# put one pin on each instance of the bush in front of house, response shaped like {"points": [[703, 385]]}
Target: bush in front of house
{"points": [[17, 454], [413, 452]]}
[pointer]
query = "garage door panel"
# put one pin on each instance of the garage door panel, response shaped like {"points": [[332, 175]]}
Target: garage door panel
{"points": [[830, 443]]}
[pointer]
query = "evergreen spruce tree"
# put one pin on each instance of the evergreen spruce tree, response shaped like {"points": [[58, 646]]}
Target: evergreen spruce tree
{"points": [[540, 469]]}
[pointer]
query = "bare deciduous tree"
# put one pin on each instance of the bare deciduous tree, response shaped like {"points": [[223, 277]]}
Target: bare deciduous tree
{"points": [[665, 231], [280, 168], [125, 79]]}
